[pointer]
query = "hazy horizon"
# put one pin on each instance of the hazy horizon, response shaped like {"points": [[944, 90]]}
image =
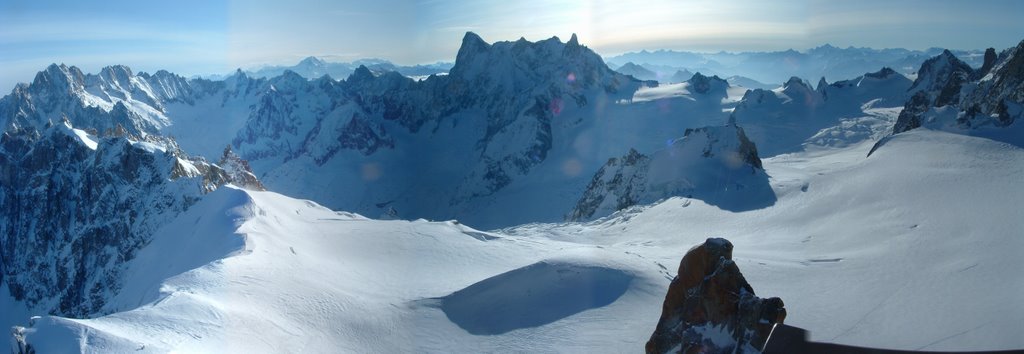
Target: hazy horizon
{"points": [[203, 38]]}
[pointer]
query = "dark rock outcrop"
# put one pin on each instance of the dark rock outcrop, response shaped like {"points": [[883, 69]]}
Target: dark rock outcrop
{"points": [[704, 84], [238, 171], [710, 307]]}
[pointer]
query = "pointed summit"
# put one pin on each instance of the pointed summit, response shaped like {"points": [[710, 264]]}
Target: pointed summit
{"points": [[940, 70], [793, 80], [986, 66], [472, 45], [59, 78], [311, 61], [704, 84], [573, 41], [361, 74], [117, 73], [472, 40]]}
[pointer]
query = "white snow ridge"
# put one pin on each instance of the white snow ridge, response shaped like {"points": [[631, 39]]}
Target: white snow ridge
{"points": [[591, 185]]}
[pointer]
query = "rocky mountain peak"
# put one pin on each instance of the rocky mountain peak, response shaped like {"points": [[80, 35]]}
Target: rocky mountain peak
{"points": [[57, 79], [117, 74], [885, 72], [360, 75], [238, 170], [703, 84], [573, 41], [711, 308], [796, 82], [519, 65], [312, 61], [991, 96], [942, 73], [472, 45]]}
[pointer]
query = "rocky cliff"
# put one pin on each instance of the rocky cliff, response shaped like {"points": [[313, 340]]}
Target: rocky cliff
{"points": [[711, 308], [74, 207]]}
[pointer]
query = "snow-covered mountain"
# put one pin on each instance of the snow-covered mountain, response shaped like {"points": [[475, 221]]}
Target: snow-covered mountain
{"points": [[202, 114], [950, 95], [717, 165], [75, 207], [114, 97]]}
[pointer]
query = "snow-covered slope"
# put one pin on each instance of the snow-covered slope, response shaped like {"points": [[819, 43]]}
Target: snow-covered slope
{"points": [[857, 247]]}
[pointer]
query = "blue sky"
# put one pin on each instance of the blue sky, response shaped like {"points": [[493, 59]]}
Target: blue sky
{"points": [[198, 37]]}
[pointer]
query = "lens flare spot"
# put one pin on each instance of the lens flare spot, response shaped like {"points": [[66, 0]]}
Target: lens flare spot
{"points": [[584, 143], [556, 106], [370, 171], [572, 167], [571, 78]]}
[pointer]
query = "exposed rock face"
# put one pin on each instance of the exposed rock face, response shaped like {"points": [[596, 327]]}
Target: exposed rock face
{"points": [[621, 181], [710, 307], [992, 95], [704, 84], [990, 61], [238, 171], [74, 208], [718, 165]]}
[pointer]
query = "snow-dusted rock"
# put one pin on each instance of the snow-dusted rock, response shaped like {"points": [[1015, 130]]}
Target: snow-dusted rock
{"points": [[718, 165], [710, 307], [74, 207], [949, 95]]}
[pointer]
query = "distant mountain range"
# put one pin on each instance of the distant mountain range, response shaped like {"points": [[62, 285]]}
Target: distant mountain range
{"points": [[314, 68], [830, 62]]}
